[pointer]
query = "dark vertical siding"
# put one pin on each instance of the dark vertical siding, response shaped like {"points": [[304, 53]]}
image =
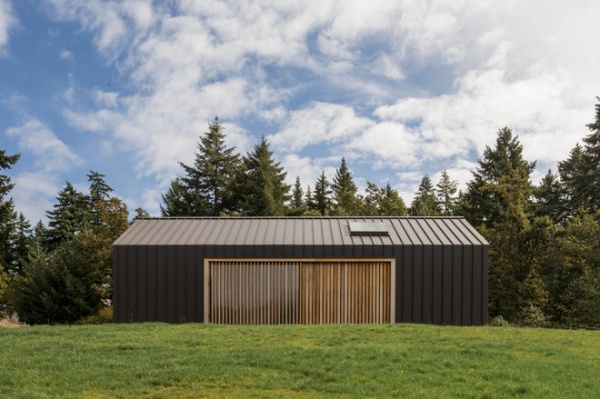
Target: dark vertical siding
{"points": [[435, 283], [437, 287], [447, 285], [484, 283], [477, 286], [417, 284], [467, 285], [190, 284], [428, 271], [142, 272], [161, 298], [457, 284], [132, 284], [153, 282], [407, 284]]}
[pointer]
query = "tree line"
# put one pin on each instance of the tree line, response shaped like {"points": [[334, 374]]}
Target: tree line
{"points": [[544, 239], [222, 182]]}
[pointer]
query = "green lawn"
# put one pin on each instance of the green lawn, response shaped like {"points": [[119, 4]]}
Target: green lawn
{"points": [[196, 360]]}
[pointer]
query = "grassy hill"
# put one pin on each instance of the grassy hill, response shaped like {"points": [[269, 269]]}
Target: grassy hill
{"points": [[338, 361]]}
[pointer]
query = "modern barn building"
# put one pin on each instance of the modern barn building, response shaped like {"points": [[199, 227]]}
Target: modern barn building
{"points": [[301, 270]]}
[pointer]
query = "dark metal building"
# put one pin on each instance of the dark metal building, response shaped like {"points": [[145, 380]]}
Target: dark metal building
{"points": [[301, 270]]}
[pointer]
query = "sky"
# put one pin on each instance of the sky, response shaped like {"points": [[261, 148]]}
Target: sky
{"points": [[401, 89]]}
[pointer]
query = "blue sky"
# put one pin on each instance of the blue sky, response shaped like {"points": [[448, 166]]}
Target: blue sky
{"points": [[398, 88]]}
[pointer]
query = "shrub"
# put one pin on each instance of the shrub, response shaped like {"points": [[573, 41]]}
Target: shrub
{"points": [[102, 316], [499, 321], [56, 288]]}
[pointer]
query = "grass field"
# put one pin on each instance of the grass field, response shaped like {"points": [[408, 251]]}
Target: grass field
{"points": [[338, 361]]}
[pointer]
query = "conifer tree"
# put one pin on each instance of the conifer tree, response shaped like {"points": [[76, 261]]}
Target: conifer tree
{"points": [[70, 216], [425, 202], [446, 194], [485, 206], [99, 192], [550, 198], [580, 173], [261, 187], [209, 180], [345, 200], [7, 212], [322, 197], [297, 205], [383, 202], [178, 201], [516, 289]]}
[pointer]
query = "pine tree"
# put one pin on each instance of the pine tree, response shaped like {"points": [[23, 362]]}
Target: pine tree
{"points": [[99, 192], [345, 200], [383, 202], [177, 200], [485, 206], [516, 289], [425, 201], [446, 194], [573, 176], [322, 197], [71, 215], [297, 205], [580, 173], [56, 288], [9, 258], [550, 198], [209, 181], [261, 187]]}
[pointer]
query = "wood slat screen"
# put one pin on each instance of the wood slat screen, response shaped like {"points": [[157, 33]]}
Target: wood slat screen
{"points": [[305, 292]]}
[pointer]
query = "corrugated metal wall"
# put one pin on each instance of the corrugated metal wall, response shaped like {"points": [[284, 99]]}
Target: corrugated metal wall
{"points": [[441, 263], [434, 284]]}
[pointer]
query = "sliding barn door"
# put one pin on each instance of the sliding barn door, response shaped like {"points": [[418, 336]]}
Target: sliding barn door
{"points": [[307, 292]]}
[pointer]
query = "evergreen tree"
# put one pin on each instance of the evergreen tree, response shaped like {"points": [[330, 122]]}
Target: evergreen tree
{"points": [[9, 221], [446, 194], [261, 184], [383, 202], [297, 204], [322, 198], [177, 200], [549, 198], [209, 181], [99, 192], [516, 290], [345, 200], [425, 201], [71, 215], [56, 288], [485, 206], [311, 205], [574, 179], [580, 173]]}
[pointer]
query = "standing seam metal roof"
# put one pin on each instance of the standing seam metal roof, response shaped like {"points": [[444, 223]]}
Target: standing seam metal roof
{"points": [[332, 231]]}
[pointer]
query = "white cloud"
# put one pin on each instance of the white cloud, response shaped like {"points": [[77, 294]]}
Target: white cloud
{"points": [[443, 77], [319, 123], [34, 193], [7, 22], [52, 155]]}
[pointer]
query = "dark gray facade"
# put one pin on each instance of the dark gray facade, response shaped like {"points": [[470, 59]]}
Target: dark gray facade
{"points": [[441, 263]]}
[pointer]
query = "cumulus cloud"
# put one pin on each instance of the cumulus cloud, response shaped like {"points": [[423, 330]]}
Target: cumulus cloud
{"points": [[52, 155], [413, 86], [319, 123], [7, 21]]}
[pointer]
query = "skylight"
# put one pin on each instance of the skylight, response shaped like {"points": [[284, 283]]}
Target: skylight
{"points": [[368, 228]]}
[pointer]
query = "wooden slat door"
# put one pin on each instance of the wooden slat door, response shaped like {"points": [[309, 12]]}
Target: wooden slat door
{"points": [[306, 292]]}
